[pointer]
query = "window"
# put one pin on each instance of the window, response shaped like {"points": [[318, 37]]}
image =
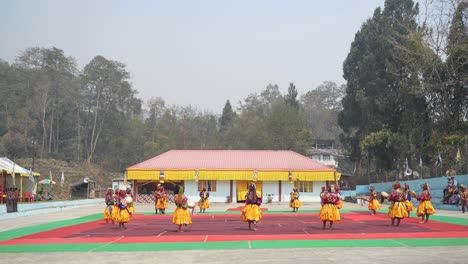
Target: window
{"points": [[304, 186], [326, 157], [209, 185]]}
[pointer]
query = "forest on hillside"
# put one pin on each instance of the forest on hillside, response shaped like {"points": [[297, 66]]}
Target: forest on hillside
{"points": [[405, 101]]}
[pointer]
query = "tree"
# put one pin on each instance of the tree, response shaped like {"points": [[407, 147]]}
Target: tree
{"points": [[320, 108], [109, 101], [383, 89], [291, 97], [227, 117], [156, 108], [52, 78]]}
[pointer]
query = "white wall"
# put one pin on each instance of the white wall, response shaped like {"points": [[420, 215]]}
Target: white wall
{"points": [[222, 191], [313, 196], [269, 187]]}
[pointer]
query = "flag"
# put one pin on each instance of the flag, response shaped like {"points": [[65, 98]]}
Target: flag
{"points": [[31, 177], [62, 179], [438, 161], [13, 176], [458, 157]]}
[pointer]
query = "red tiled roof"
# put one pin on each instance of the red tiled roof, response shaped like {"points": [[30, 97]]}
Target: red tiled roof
{"points": [[231, 159]]}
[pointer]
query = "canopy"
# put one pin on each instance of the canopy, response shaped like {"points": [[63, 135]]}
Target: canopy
{"points": [[7, 166], [24, 183]]}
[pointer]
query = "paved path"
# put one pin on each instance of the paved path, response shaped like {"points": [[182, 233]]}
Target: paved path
{"points": [[412, 255]]}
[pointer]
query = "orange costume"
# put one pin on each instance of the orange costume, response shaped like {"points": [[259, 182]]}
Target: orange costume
{"points": [[374, 204], [204, 202], [161, 199], [425, 207], [109, 200], [295, 204], [397, 209], [329, 211], [181, 214], [252, 212]]}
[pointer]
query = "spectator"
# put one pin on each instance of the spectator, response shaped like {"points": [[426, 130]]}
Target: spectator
{"points": [[454, 182]]}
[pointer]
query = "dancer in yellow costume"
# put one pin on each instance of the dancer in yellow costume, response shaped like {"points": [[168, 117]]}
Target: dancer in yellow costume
{"points": [[124, 213], [131, 208], [181, 214], [374, 204], [425, 207], [161, 199], [204, 203], [397, 209], [329, 211], [408, 203], [115, 207], [252, 212], [338, 194], [109, 204], [295, 204]]}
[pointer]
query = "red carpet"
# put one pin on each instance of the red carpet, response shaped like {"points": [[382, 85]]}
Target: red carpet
{"points": [[229, 227]]}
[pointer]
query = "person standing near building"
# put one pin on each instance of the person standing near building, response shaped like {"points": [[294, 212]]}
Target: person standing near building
{"points": [[295, 203], [204, 202], [374, 204], [425, 207], [252, 212], [397, 209], [329, 211]]}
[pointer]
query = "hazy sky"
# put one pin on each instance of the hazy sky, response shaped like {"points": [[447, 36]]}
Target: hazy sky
{"points": [[198, 53]]}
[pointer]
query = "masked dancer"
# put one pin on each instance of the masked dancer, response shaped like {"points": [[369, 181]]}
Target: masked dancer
{"points": [[181, 216], [295, 204], [463, 197], [338, 194], [204, 203], [161, 199], [425, 207], [131, 208], [397, 209], [329, 211], [252, 212], [374, 204], [109, 200], [124, 213], [115, 207], [408, 203]]}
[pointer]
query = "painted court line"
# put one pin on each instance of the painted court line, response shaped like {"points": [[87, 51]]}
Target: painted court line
{"points": [[400, 243], [162, 233], [104, 245]]}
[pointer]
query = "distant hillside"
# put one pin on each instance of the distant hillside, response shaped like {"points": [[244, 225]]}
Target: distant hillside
{"points": [[73, 173]]}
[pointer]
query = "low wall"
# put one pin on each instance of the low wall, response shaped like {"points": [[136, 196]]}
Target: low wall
{"points": [[27, 209], [436, 186]]}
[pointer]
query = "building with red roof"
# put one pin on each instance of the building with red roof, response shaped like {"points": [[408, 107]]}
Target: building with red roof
{"points": [[227, 174]]}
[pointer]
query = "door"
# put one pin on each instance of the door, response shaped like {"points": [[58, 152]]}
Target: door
{"points": [[243, 188]]}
